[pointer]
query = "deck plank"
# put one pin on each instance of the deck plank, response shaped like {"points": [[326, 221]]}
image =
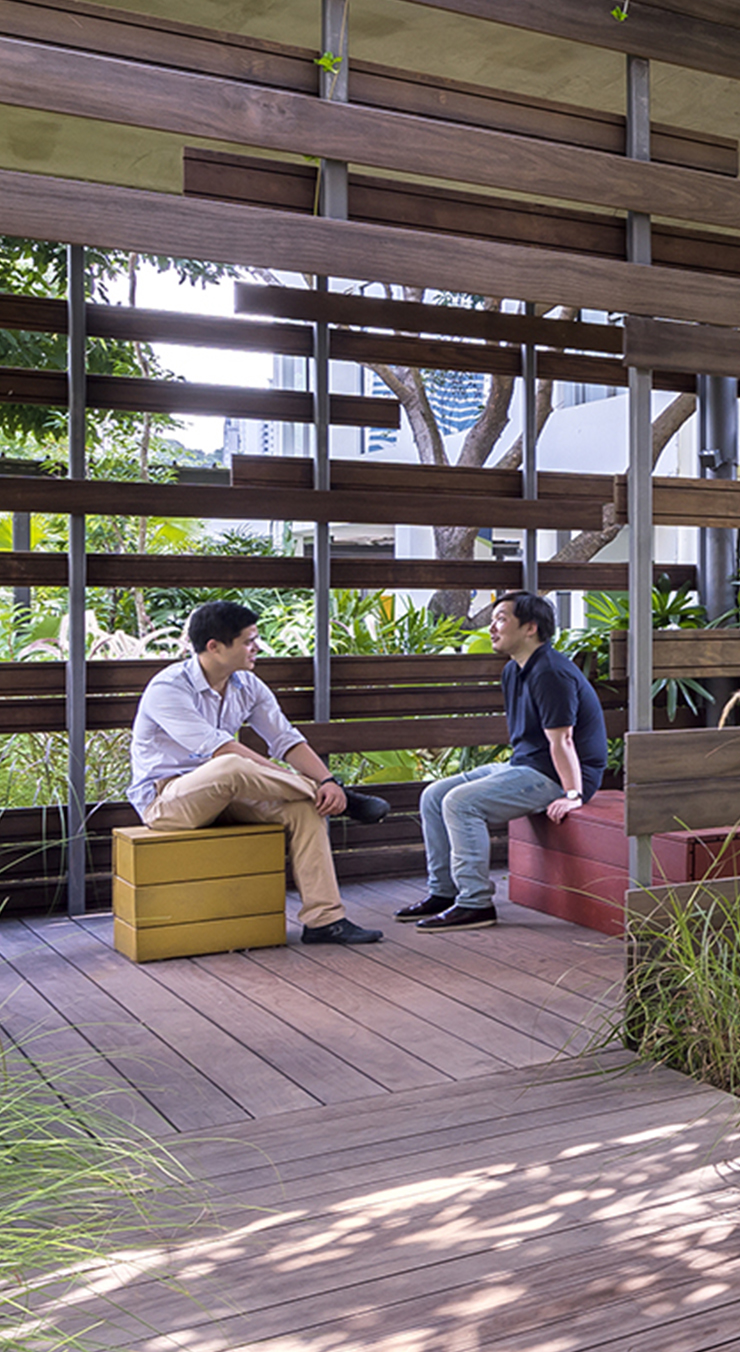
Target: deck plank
{"points": [[253, 1086], [402, 1186]]}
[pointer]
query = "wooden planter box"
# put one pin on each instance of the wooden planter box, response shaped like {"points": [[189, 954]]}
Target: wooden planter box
{"points": [[181, 893], [579, 870]]}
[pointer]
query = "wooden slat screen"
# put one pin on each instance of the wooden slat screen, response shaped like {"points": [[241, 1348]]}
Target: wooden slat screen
{"points": [[697, 653], [686, 502], [688, 779]]}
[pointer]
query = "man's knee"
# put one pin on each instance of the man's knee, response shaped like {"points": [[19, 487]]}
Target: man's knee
{"points": [[433, 795], [462, 802]]}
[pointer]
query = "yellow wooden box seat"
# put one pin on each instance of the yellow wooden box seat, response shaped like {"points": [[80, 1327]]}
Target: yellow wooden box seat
{"points": [[181, 893]]}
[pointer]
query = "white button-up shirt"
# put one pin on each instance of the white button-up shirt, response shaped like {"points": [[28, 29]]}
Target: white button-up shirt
{"points": [[181, 721]]}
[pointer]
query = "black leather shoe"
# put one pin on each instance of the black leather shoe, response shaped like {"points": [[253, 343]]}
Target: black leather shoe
{"points": [[459, 918], [429, 906], [340, 932], [364, 807]]}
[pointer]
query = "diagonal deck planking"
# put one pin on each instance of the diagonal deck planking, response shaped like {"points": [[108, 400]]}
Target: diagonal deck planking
{"points": [[395, 1146]]}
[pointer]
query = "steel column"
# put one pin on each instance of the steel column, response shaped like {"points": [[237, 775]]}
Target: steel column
{"points": [[640, 485], [718, 433], [334, 85], [529, 455], [75, 669], [22, 543]]}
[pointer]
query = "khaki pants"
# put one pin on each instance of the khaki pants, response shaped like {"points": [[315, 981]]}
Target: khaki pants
{"points": [[232, 789]]}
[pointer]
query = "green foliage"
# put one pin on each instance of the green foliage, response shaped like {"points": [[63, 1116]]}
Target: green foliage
{"points": [[682, 1008], [171, 606], [606, 612], [373, 624], [620, 12], [328, 62], [74, 1191]]}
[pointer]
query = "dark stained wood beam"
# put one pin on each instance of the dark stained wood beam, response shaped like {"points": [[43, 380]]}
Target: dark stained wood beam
{"points": [[336, 307], [655, 345], [686, 502], [84, 85], [677, 37], [139, 395], [151, 38], [163, 570], [22, 494], [41, 207]]}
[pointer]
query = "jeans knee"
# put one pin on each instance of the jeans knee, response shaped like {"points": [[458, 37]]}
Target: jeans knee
{"points": [[459, 806], [432, 797]]}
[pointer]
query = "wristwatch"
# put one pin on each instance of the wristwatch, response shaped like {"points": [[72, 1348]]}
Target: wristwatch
{"points": [[572, 795]]}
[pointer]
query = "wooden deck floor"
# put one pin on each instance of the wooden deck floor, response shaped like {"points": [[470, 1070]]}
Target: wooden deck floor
{"points": [[397, 1147]]}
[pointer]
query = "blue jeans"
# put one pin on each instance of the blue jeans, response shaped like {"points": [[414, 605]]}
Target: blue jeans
{"points": [[456, 814]]}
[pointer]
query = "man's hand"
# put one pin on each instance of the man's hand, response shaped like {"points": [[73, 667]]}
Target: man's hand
{"points": [[559, 809], [330, 799]]}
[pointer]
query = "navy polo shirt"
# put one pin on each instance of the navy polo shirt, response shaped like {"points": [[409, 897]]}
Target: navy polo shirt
{"points": [[550, 691]]}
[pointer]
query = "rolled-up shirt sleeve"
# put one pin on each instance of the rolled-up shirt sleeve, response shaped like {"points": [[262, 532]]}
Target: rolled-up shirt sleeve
{"points": [[269, 722], [172, 709]]}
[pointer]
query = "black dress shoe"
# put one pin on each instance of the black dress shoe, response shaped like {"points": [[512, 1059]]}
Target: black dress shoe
{"points": [[429, 906], [340, 932], [459, 918], [364, 807]]}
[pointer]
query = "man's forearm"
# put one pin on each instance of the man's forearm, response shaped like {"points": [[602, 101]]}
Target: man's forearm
{"points": [[566, 762], [305, 760]]}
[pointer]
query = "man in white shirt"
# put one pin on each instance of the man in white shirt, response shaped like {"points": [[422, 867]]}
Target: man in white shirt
{"points": [[190, 769]]}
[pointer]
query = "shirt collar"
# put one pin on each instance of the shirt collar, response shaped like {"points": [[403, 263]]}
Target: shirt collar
{"points": [[197, 675]]}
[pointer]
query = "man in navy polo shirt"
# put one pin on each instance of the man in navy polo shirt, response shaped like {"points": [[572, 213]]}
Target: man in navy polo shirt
{"points": [[558, 736]]}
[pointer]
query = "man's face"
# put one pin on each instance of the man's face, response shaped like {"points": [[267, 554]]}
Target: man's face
{"points": [[241, 654], [508, 636]]}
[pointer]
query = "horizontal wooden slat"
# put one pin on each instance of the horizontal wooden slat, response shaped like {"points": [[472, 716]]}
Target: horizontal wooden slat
{"points": [[458, 321], [696, 653], [21, 386], [151, 570], [692, 347], [381, 735], [36, 314], [686, 502], [41, 207], [147, 499], [679, 40], [527, 115], [208, 51], [353, 474], [379, 201], [132, 93], [659, 905], [690, 779]]}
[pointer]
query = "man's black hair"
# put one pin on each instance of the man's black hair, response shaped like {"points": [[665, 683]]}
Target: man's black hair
{"points": [[529, 608], [222, 620]]}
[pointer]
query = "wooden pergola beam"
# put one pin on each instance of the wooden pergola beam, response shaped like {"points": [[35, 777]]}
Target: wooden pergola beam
{"points": [[41, 207], [84, 85], [677, 38], [85, 497]]}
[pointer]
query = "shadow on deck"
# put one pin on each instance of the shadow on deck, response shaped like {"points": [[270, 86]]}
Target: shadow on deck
{"points": [[396, 1144]]}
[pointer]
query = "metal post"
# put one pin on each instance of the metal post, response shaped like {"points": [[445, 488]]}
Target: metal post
{"points": [[22, 542], [529, 457], [563, 600], [75, 671], [640, 487], [718, 426], [322, 542], [334, 85]]}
